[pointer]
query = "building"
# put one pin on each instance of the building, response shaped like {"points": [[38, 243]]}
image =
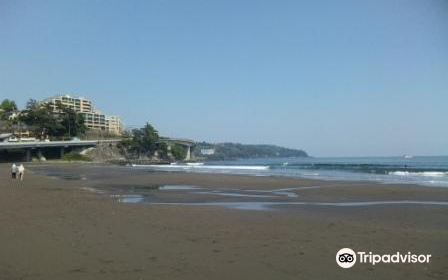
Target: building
{"points": [[8, 137], [93, 119], [14, 115], [207, 152], [114, 124], [78, 104]]}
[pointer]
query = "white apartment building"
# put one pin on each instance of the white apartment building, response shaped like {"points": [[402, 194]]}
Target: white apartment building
{"points": [[207, 152], [93, 119], [114, 124], [78, 104]]}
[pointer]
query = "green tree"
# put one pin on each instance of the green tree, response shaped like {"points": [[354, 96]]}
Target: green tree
{"points": [[6, 108], [178, 152], [40, 119], [143, 140], [8, 105], [72, 123], [43, 121]]}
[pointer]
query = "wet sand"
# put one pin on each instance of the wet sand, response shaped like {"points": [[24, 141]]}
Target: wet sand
{"points": [[56, 228]]}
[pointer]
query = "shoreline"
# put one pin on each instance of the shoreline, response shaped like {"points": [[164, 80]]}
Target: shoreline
{"points": [[54, 229], [286, 177]]}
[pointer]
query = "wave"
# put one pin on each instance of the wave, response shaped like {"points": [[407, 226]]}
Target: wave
{"points": [[311, 174], [381, 169], [425, 173], [370, 168], [205, 167], [188, 163]]}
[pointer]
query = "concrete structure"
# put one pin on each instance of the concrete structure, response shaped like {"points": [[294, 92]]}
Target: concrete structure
{"points": [[39, 146], [189, 144], [94, 119], [207, 152], [8, 137]]}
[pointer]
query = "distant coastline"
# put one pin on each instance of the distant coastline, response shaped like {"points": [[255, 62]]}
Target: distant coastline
{"points": [[233, 151]]}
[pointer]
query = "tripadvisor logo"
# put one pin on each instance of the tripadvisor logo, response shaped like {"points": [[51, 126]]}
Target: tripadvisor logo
{"points": [[346, 258]]}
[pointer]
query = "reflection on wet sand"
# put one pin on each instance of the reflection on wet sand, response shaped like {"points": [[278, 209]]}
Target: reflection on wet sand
{"points": [[288, 194]]}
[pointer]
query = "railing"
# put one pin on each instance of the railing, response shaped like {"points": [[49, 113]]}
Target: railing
{"points": [[42, 144]]}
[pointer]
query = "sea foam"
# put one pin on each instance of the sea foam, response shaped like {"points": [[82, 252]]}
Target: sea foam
{"points": [[200, 166], [425, 173]]}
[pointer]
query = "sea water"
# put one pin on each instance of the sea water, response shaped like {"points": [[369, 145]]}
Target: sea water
{"points": [[422, 170]]}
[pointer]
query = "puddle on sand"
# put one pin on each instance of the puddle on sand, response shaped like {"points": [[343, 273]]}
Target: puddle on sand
{"points": [[194, 192], [129, 198], [197, 190], [235, 194], [93, 190], [71, 177], [287, 194], [178, 187], [63, 176], [271, 205], [281, 192]]}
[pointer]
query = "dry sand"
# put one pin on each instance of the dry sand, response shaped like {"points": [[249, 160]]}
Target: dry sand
{"points": [[55, 229]]}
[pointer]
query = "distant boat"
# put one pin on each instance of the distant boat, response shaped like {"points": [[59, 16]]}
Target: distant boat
{"points": [[407, 156]]}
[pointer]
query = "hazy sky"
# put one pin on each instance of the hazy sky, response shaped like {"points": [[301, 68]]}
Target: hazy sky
{"points": [[336, 78]]}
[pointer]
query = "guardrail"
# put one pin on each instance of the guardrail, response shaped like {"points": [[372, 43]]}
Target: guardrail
{"points": [[43, 144]]}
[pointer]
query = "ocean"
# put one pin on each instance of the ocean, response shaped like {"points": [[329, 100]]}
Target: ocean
{"points": [[422, 170]]}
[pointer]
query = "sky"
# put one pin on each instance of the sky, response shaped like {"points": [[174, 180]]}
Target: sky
{"points": [[335, 78]]}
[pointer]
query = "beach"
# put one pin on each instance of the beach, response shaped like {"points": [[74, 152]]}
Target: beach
{"points": [[65, 221]]}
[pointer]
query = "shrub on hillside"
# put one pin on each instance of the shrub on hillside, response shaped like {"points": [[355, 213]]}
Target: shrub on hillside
{"points": [[75, 157]]}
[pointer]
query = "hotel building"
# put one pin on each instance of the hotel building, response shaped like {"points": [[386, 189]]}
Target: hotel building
{"points": [[93, 119]]}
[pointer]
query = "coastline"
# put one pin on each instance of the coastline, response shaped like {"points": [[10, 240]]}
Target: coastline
{"points": [[54, 228], [96, 175]]}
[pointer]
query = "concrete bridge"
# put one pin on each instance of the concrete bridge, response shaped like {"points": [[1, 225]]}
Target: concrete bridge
{"points": [[38, 146], [187, 143]]}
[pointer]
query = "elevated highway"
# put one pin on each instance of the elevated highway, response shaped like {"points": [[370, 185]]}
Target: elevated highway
{"points": [[29, 146], [189, 144], [39, 146]]}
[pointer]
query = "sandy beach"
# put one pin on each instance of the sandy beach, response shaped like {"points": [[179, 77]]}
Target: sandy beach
{"points": [[56, 227]]}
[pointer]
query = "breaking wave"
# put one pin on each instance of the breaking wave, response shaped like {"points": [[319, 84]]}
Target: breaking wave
{"points": [[204, 167], [426, 173], [429, 171]]}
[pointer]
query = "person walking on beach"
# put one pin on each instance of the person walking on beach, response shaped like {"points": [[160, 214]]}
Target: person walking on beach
{"points": [[14, 170], [21, 172]]}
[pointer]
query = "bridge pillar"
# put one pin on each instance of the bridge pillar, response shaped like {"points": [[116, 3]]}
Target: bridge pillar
{"points": [[188, 156], [28, 155], [40, 156], [61, 152]]}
